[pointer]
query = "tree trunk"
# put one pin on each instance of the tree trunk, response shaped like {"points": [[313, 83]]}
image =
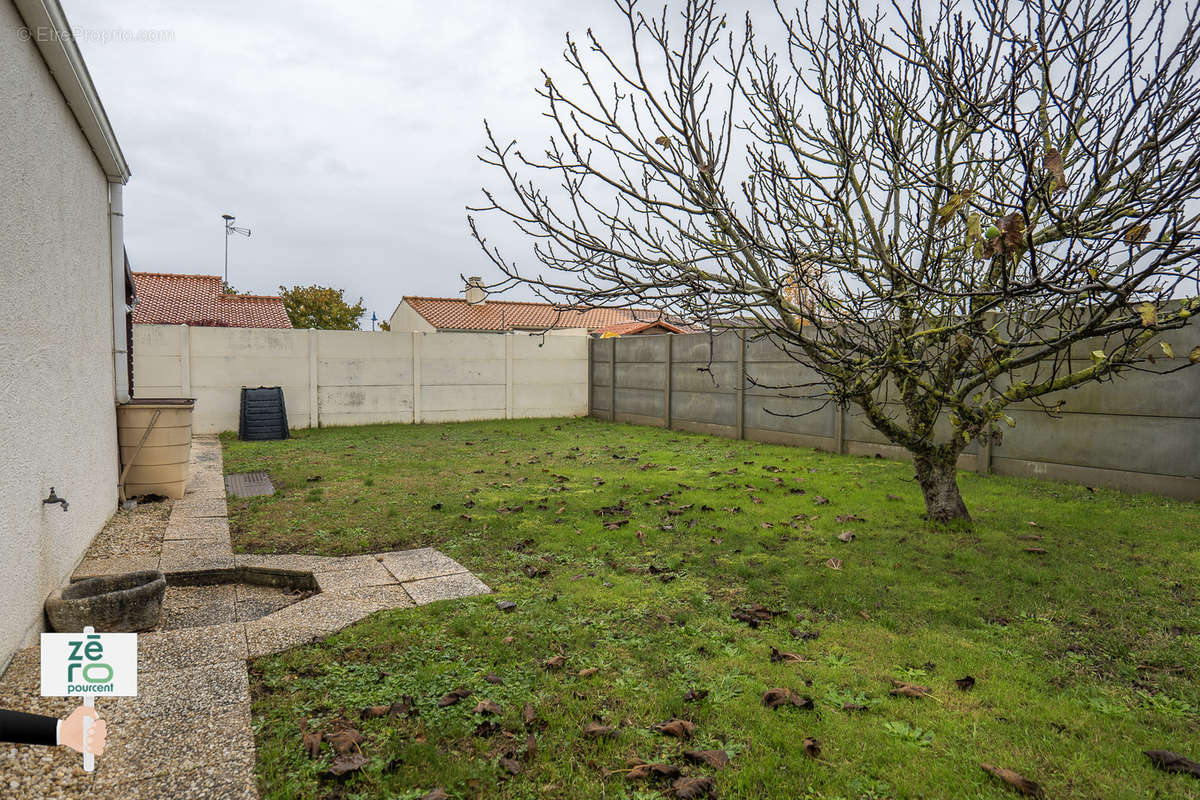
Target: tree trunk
{"points": [[937, 475]]}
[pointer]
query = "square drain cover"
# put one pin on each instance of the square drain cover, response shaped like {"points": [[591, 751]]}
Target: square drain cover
{"points": [[249, 484]]}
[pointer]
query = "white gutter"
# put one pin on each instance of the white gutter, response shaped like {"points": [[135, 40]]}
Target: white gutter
{"points": [[116, 238], [50, 31]]}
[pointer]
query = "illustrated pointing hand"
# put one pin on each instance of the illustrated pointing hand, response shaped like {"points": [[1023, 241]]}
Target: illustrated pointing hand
{"points": [[71, 732]]}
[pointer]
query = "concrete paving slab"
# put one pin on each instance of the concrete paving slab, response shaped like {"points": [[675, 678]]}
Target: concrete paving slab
{"points": [[370, 599], [188, 528], [150, 748], [197, 506], [206, 782], [445, 587], [191, 647], [413, 565], [188, 692], [368, 573]]}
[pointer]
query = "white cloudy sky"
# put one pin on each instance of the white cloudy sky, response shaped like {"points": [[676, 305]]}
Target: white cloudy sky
{"points": [[343, 134]]}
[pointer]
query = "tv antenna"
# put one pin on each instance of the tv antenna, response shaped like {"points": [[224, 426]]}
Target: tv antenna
{"points": [[230, 230]]}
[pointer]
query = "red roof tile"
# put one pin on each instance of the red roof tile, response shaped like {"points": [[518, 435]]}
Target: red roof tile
{"points": [[168, 299], [454, 313], [628, 328]]}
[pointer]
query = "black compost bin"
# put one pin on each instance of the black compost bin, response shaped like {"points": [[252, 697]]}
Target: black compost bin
{"points": [[264, 416]]}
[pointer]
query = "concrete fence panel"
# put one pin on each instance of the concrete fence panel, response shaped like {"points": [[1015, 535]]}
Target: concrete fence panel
{"points": [[1140, 432], [359, 377]]}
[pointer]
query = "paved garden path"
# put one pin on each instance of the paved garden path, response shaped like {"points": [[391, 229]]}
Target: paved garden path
{"points": [[187, 734]]}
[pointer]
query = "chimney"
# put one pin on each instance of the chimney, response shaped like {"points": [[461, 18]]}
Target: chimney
{"points": [[476, 295]]}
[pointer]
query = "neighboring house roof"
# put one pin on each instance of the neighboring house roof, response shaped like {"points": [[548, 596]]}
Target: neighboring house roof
{"points": [[52, 34], [168, 299], [634, 327], [456, 314]]}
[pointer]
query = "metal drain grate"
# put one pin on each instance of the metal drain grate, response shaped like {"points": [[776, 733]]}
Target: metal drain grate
{"points": [[249, 484]]}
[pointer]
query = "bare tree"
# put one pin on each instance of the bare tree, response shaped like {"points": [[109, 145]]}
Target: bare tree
{"points": [[940, 215]]}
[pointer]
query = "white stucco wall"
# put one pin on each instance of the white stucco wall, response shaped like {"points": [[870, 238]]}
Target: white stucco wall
{"points": [[358, 377], [404, 318], [57, 417]]}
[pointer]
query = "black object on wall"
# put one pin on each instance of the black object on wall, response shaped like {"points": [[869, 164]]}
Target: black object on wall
{"points": [[264, 416]]}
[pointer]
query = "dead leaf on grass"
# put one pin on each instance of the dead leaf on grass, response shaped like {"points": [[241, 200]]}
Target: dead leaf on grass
{"points": [[589, 672], [347, 762], [834, 563], [493, 678], [1036, 550], [371, 712], [679, 728], [965, 684], [406, 705], [821, 501], [510, 765], [1173, 762], [554, 663], [717, 759], [657, 771], [846, 536], [812, 747], [755, 614], [691, 788], [435, 794], [450, 698], [848, 518], [1016, 781], [310, 740], [903, 689], [344, 741], [781, 657], [486, 707], [774, 698], [695, 695], [596, 730]]}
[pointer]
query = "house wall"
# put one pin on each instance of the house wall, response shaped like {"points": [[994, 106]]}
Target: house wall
{"points": [[57, 418], [359, 377], [405, 319], [1137, 433]]}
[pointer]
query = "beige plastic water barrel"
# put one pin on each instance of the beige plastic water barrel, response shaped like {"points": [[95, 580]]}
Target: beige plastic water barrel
{"points": [[161, 465]]}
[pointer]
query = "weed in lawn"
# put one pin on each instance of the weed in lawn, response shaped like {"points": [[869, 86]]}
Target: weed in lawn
{"points": [[908, 733]]}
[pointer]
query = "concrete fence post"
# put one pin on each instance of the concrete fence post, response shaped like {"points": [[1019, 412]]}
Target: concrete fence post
{"points": [[741, 385], [314, 394], [612, 379], [185, 362], [508, 375], [416, 373], [591, 344], [667, 383], [839, 429]]}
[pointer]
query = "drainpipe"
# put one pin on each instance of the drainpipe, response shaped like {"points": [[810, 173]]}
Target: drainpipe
{"points": [[116, 237]]}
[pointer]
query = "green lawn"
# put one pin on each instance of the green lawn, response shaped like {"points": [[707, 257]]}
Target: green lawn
{"points": [[1083, 656]]}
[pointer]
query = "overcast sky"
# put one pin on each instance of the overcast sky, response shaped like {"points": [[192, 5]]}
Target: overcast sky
{"points": [[344, 135]]}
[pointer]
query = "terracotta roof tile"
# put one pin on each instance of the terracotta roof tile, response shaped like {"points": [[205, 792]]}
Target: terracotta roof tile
{"points": [[627, 328], [454, 313], [170, 299]]}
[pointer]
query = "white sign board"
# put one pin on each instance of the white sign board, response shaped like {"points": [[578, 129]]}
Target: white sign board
{"points": [[83, 664]]}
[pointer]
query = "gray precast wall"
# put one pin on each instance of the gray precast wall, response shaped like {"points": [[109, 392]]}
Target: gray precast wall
{"points": [[1138, 432]]}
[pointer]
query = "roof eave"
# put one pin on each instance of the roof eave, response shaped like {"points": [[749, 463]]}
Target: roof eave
{"points": [[69, 71]]}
